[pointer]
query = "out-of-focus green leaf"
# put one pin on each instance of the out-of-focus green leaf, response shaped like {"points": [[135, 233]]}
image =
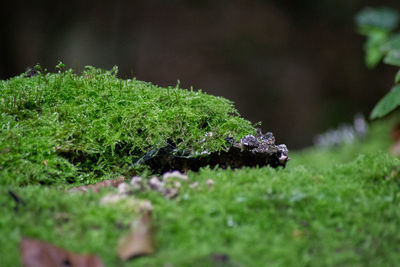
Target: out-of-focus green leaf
{"points": [[384, 18], [372, 57], [392, 43], [376, 39], [392, 50], [387, 104], [393, 58], [397, 77], [377, 24]]}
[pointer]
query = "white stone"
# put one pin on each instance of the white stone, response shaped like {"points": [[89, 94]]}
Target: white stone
{"points": [[122, 188], [194, 185], [175, 174], [210, 182], [155, 183]]}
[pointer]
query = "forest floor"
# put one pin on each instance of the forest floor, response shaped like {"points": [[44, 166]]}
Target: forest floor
{"points": [[328, 207]]}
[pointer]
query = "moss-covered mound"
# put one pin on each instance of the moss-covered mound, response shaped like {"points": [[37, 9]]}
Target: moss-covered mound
{"points": [[330, 207], [336, 206], [63, 127]]}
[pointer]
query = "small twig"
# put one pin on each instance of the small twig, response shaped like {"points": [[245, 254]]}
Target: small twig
{"points": [[18, 200]]}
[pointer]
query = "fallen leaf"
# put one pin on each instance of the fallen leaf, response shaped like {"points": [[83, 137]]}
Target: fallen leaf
{"points": [[395, 148], [139, 241], [96, 187], [35, 253], [395, 133], [297, 233]]}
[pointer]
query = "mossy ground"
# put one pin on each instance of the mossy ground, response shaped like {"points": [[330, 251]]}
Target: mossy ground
{"points": [[91, 126], [328, 207]]}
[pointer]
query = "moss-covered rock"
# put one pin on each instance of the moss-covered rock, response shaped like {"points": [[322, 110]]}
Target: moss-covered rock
{"points": [[63, 127], [331, 206]]}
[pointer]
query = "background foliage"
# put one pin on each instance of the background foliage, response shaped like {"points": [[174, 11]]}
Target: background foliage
{"points": [[378, 25], [295, 66]]}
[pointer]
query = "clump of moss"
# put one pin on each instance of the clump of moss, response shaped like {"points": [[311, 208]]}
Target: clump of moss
{"points": [[68, 128]]}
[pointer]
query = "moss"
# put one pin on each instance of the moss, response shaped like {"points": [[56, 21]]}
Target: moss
{"points": [[69, 220], [328, 207], [340, 210], [95, 125]]}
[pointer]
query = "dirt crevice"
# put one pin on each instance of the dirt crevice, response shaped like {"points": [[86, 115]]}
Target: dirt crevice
{"points": [[250, 151]]}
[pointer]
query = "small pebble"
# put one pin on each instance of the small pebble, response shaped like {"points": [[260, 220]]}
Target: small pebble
{"points": [[175, 174], [136, 182], [155, 183], [122, 188], [209, 134], [194, 185], [145, 206], [111, 198], [170, 193]]}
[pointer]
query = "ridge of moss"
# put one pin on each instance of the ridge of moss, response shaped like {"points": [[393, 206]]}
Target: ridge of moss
{"points": [[68, 128]]}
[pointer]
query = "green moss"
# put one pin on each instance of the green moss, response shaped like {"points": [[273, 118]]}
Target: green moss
{"points": [[340, 210], [95, 125], [328, 207], [74, 221]]}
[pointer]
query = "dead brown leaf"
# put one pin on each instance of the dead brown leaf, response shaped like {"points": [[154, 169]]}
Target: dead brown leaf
{"points": [[297, 233], [395, 148], [139, 241], [35, 253], [395, 133], [96, 187]]}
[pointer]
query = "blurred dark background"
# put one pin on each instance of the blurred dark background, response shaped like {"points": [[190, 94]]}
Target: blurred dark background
{"points": [[296, 66]]}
